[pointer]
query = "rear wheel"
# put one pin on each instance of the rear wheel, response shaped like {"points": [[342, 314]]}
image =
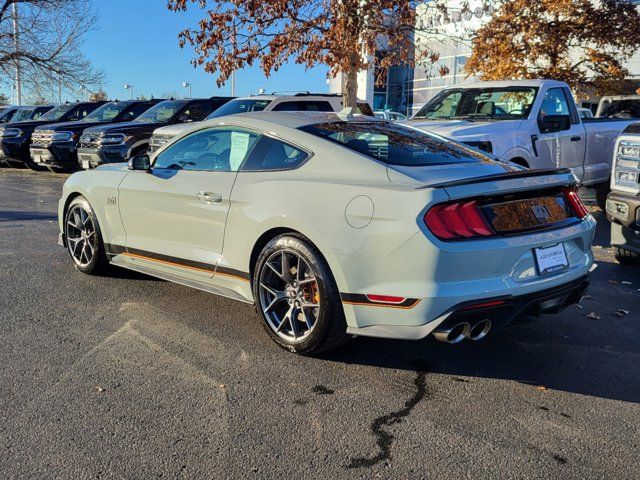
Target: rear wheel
{"points": [[297, 297], [627, 257], [84, 238]]}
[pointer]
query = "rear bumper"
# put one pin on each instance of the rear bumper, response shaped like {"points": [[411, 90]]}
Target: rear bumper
{"points": [[519, 309], [511, 311]]}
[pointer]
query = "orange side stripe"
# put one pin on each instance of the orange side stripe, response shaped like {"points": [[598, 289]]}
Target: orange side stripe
{"points": [[385, 305], [165, 262]]}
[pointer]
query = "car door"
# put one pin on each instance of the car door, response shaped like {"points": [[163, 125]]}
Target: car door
{"points": [[562, 137], [174, 216]]}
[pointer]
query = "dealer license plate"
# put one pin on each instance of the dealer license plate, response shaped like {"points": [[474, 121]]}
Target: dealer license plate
{"points": [[551, 259], [85, 164]]}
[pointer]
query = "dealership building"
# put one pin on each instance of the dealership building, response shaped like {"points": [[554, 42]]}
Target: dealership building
{"points": [[406, 89]]}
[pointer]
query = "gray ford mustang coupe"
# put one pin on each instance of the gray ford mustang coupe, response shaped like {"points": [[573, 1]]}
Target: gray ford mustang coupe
{"points": [[337, 225]]}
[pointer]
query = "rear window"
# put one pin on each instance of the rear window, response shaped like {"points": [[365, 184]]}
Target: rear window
{"points": [[303, 106], [395, 144]]}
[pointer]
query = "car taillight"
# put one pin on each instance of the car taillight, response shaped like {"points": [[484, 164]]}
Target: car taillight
{"points": [[458, 220], [576, 203]]}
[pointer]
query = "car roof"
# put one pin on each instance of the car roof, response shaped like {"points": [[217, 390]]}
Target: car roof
{"points": [[508, 83], [295, 119], [299, 97]]}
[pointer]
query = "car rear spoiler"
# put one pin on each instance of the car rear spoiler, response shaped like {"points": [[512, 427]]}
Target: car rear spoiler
{"points": [[506, 176]]}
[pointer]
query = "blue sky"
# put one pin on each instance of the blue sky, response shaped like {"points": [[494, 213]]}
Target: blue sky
{"points": [[135, 42]]}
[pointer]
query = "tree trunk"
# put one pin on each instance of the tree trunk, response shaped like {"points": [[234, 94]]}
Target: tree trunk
{"points": [[350, 90]]}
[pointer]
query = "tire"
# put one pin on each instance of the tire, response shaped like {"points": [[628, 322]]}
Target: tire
{"points": [[319, 328], [60, 170], [602, 190], [88, 244], [14, 163], [627, 257]]}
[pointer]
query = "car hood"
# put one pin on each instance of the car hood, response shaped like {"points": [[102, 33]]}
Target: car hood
{"points": [[436, 174], [173, 130], [27, 124], [461, 129], [127, 127], [70, 126]]}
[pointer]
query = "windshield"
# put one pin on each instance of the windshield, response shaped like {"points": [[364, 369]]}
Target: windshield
{"points": [[22, 114], [106, 112], [240, 106], [162, 112], [58, 112], [621, 109], [486, 103], [395, 144]]}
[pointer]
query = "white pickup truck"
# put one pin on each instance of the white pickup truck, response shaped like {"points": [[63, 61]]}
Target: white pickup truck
{"points": [[534, 123]]}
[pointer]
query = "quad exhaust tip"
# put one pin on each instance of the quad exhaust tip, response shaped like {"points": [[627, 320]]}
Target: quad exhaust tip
{"points": [[455, 334], [479, 330], [462, 330]]}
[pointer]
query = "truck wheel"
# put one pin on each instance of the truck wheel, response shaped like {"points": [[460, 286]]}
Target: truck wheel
{"points": [[602, 190], [627, 257]]}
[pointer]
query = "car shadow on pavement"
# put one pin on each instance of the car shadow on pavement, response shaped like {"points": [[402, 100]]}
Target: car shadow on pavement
{"points": [[555, 363], [18, 215]]}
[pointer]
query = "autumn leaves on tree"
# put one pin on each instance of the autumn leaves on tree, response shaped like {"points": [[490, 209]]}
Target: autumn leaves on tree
{"points": [[578, 41], [581, 42], [344, 35]]}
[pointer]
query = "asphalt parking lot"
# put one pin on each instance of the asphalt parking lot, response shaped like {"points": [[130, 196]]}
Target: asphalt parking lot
{"points": [[132, 377]]}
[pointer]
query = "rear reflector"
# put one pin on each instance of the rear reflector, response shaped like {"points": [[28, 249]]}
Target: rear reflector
{"points": [[458, 220], [385, 299], [576, 203], [478, 306]]}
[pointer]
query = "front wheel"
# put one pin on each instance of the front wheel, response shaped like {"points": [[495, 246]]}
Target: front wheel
{"points": [[84, 238], [297, 297]]}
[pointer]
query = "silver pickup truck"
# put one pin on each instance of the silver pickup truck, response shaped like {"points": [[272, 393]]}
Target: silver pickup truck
{"points": [[534, 123], [623, 203]]}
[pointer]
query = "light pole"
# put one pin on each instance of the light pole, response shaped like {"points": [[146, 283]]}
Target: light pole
{"points": [[129, 87], [187, 85], [17, 46]]}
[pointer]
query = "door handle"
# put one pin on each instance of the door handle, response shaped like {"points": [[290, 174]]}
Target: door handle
{"points": [[576, 139], [209, 197]]}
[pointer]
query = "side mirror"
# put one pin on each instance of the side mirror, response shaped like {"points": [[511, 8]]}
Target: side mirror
{"points": [[554, 123], [140, 162]]}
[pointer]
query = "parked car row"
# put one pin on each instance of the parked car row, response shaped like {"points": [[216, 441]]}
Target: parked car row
{"points": [[86, 134]]}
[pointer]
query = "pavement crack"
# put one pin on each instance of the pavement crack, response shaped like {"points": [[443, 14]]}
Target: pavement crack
{"points": [[384, 439]]}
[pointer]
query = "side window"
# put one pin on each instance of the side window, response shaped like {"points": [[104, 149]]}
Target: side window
{"points": [[198, 111], [78, 114], [554, 103], [136, 111], [272, 154], [221, 150]]}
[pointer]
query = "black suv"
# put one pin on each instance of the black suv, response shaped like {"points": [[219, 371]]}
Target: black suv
{"points": [[118, 143], [55, 146], [15, 137]]}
